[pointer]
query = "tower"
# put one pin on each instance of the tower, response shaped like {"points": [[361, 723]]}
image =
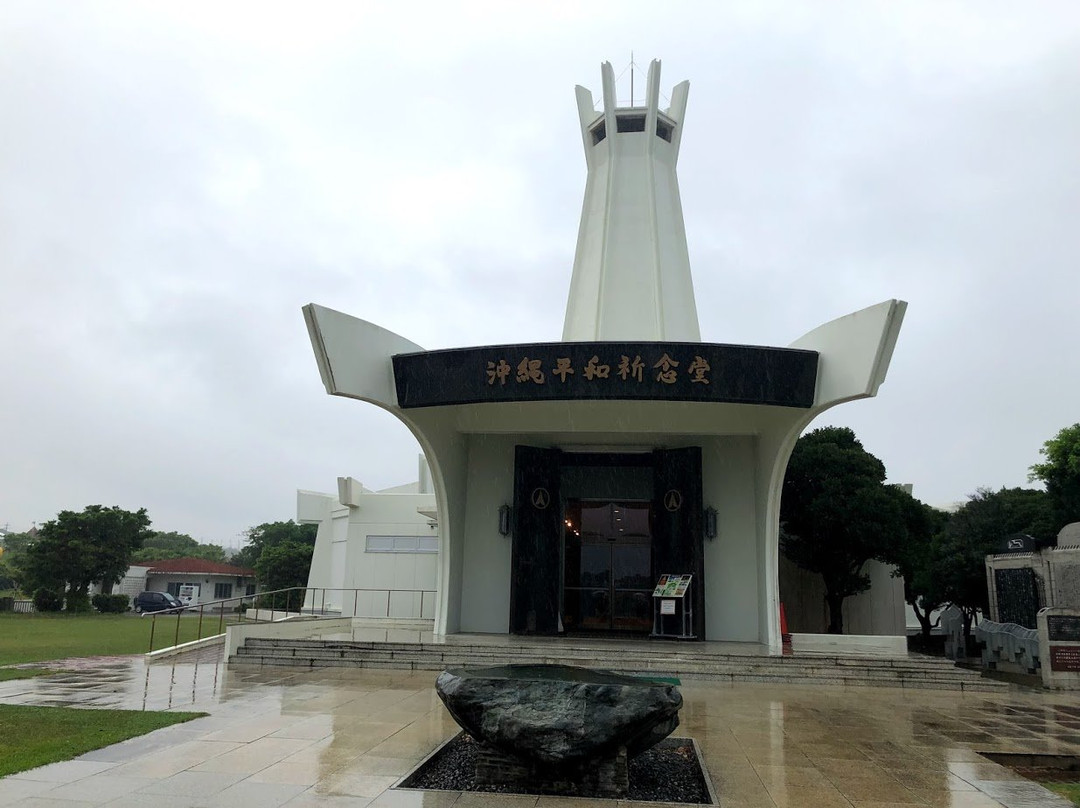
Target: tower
{"points": [[544, 426], [631, 276]]}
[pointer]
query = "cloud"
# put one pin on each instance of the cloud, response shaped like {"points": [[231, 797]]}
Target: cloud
{"points": [[179, 179]]}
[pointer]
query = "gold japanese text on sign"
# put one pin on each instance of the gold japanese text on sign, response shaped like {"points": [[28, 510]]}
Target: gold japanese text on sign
{"points": [[665, 370], [607, 371]]}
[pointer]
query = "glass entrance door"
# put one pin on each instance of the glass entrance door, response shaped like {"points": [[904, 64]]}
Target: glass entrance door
{"points": [[607, 566]]}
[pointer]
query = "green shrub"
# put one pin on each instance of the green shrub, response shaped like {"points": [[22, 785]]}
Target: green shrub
{"points": [[111, 604], [47, 600], [77, 602]]}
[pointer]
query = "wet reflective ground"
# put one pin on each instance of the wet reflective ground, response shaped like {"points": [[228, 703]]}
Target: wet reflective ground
{"points": [[328, 737]]}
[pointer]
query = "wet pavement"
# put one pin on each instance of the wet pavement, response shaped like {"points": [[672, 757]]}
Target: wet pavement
{"points": [[329, 737]]}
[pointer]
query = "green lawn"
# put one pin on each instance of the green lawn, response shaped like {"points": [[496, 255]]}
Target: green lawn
{"points": [[34, 736], [1070, 791], [7, 674], [41, 637]]}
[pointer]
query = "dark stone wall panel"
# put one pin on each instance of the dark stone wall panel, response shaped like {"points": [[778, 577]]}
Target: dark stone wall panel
{"points": [[560, 371], [537, 535]]}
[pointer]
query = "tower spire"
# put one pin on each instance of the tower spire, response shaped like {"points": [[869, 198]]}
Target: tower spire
{"points": [[631, 276]]}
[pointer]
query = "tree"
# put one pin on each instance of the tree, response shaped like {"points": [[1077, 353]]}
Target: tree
{"points": [[957, 573], [271, 534], [9, 576], [75, 550], [836, 512], [160, 546], [284, 565], [16, 543], [912, 552], [1060, 472], [14, 558]]}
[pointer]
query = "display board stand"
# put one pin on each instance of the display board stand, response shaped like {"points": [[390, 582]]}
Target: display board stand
{"points": [[673, 609]]}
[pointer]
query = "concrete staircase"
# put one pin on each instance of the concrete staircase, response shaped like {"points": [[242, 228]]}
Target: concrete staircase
{"points": [[682, 660]]}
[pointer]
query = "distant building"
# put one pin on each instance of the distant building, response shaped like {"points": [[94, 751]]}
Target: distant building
{"points": [[193, 580]]}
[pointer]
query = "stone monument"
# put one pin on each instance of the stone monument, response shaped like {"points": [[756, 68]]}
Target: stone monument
{"points": [[558, 729], [1059, 647]]}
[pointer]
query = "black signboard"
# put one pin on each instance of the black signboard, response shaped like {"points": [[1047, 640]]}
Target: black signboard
{"points": [[1020, 543], [1017, 596], [560, 371], [1063, 628]]}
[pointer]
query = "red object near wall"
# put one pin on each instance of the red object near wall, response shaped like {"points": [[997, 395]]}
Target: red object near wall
{"points": [[785, 638]]}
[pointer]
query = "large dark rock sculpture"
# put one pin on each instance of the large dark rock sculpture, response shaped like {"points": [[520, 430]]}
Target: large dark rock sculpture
{"points": [[559, 715]]}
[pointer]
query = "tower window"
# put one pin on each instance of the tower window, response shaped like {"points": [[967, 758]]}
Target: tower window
{"points": [[630, 123], [663, 130], [599, 133]]}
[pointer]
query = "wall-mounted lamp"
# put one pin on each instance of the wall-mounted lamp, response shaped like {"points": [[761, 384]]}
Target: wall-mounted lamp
{"points": [[504, 520], [710, 523]]}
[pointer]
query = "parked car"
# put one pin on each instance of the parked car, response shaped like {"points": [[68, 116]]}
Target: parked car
{"points": [[155, 602]]}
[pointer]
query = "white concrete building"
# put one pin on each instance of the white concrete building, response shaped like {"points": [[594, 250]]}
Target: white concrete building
{"points": [[629, 450], [376, 552]]}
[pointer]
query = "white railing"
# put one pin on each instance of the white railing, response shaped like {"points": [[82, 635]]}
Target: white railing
{"points": [[295, 601]]}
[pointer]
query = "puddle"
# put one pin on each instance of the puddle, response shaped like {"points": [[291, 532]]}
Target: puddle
{"points": [[1042, 768]]}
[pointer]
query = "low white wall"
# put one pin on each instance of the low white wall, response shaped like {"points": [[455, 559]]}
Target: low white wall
{"points": [[878, 611], [360, 629], [235, 635], [205, 642], [850, 644]]}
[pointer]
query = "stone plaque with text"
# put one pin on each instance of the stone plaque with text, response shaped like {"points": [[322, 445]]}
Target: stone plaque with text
{"points": [[1062, 628], [1065, 658]]}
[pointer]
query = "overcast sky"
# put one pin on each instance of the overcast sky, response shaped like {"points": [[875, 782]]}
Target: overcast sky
{"points": [[178, 179]]}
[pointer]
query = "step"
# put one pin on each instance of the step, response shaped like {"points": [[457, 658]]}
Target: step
{"points": [[808, 666], [337, 647], [944, 683], [742, 665], [921, 672], [682, 670]]}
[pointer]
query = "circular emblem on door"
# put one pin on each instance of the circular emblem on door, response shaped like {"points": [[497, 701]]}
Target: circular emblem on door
{"points": [[673, 500], [540, 498]]}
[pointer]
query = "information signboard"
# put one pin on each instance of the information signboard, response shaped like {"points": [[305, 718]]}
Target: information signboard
{"points": [[671, 605], [1065, 658], [1063, 628], [672, 586]]}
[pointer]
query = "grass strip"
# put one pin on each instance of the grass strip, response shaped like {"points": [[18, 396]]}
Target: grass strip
{"points": [[41, 637], [7, 674], [34, 736], [1070, 791]]}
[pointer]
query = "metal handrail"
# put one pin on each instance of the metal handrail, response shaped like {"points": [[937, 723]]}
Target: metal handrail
{"points": [[221, 606]]}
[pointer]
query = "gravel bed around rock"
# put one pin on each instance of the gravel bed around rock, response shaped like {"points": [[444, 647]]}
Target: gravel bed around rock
{"points": [[669, 772]]}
